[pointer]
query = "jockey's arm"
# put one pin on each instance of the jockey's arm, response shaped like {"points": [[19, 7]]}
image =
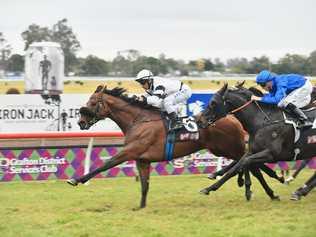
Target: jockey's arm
{"points": [[154, 100], [278, 95], [155, 97]]}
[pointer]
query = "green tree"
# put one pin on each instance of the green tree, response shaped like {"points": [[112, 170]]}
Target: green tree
{"points": [[16, 63], [121, 66], [312, 63], [63, 34], [258, 64], [35, 33], [95, 66], [151, 63], [60, 33], [219, 66], [238, 65], [5, 51], [208, 65], [292, 63]]}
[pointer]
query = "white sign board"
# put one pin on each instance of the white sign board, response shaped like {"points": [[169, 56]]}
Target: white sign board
{"points": [[32, 113]]}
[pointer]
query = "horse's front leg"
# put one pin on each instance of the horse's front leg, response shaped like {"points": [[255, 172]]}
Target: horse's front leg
{"points": [[143, 167], [271, 173], [248, 192], [119, 158], [257, 173], [230, 173], [222, 171]]}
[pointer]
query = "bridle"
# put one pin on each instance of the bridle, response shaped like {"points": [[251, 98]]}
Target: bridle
{"points": [[240, 108]]}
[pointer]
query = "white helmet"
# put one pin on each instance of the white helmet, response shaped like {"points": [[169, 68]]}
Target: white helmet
{"points": [[143, 76]]}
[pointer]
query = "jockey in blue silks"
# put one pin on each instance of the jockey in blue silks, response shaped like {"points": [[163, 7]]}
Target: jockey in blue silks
{"points": [[288, 91]]}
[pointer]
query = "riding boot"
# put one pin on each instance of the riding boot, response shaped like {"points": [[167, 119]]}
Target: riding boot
{"points": [[298, 113], [175, 122]]}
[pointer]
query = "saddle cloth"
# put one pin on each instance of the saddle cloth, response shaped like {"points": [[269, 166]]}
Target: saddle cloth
{"points": [[188, 132]]}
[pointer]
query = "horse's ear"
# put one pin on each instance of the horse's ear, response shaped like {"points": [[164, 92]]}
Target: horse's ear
{"points": [[104, 89], [99, 88], [223, 89], [240, 84]]}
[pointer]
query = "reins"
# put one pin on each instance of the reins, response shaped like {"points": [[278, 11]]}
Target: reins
{"points": [[248, 103], [241, 107], [110, 111]]}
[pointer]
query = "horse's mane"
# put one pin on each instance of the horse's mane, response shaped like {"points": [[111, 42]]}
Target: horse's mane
{"points": [[133, 100], [255, 91]]}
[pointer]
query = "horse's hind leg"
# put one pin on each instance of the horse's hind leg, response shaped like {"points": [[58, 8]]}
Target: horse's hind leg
{"points": [[257, 173], [305, 189], [144, 173], [271, 172], [297, 171], [246, 160]]}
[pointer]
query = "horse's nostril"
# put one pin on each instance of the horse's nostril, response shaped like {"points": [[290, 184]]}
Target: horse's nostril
{"points": [[82, 125]]}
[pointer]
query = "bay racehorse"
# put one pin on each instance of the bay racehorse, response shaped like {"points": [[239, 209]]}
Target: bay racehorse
{"points": [[273, 135], [145, 136]]}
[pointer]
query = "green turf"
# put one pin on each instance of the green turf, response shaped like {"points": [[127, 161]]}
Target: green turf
{"points": [[175, 208]]}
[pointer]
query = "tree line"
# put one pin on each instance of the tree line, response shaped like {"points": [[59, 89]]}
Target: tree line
{"points": [[129, 62]]}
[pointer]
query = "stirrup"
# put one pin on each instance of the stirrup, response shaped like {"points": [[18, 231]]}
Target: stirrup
{"points": [[304, 124], [175, 126]]}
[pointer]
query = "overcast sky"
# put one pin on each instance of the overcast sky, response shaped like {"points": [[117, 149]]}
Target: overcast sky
{"points": [[182, 29]]}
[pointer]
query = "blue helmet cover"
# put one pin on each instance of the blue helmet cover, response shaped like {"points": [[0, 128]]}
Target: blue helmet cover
{"points": [[264, 76]]}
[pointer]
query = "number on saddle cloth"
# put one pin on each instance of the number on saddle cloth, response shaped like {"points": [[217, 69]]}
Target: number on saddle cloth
{"points": [[189, 131]]}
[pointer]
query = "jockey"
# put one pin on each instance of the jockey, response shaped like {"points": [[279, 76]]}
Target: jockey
{"points": [[166, 94], [289, 91]]}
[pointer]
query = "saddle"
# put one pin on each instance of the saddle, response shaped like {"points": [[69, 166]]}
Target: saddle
{"points": [[301, 134], [188, 132]]}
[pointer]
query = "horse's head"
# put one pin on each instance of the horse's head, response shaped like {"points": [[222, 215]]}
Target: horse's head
{"points": [[226, 100], [95, 110]]}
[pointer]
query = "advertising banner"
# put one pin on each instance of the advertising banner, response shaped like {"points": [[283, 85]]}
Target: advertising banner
{"points": [[198, 102], [65, 163], [37, 113]]}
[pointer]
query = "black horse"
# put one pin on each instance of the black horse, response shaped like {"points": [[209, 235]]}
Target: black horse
{"points": [[272, 136]]}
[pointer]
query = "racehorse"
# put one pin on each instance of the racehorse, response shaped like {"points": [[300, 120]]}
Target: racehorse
{"points": [[145, 136], [272, 136]]}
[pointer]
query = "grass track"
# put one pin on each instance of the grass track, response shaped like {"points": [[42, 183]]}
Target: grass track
{"points": [[104, 208]]}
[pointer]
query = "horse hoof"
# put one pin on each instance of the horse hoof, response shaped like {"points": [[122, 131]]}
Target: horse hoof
{"points": [[248, 196], [289, 180], [137, 208], [295, 197], [281, 180], [240, 182], [205, 192], [72, 182], [211, 176], [275, 198]]}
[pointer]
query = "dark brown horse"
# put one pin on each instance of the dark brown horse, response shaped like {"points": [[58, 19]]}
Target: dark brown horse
{"points": [[145, 135]]}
